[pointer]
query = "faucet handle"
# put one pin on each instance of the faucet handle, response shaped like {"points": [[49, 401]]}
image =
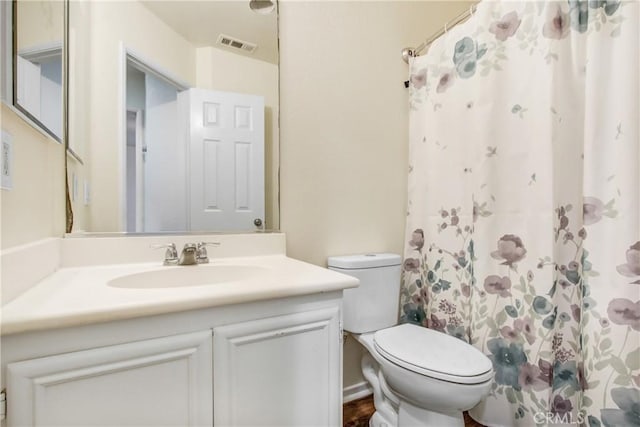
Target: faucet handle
{"points": [[170, 255], [202, 244], [203, 257]]}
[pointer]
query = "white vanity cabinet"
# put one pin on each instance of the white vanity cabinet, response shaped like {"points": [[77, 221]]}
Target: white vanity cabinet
{"points": [[280, 371], [113, 338], [268, 363], [159, 382]]}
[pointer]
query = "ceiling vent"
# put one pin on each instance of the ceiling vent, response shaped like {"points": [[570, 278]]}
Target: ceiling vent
{"points": [[235, 43]]}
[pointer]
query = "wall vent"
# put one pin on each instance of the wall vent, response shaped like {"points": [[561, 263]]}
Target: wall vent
{"points": [[235, 43]]}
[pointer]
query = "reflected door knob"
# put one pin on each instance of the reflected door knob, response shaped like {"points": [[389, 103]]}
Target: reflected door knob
{"points": [[257, 222]]}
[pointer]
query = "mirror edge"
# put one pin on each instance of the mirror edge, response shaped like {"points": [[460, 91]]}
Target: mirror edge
{"points": [[65, 117], [275, 226], [7, 60], [33, 121]]}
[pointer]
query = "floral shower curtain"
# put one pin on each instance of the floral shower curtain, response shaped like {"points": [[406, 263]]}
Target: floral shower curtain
{"points": [[523, 227]]}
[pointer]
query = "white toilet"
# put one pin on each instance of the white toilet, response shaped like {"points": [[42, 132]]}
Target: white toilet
{"points": [[420, 377]]}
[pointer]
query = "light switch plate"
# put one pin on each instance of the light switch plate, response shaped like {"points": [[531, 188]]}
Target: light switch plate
{"points": [[6, 169]]}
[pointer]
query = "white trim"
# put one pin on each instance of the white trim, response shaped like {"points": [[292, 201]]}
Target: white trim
{"points": [[42, 51], [356, 391], [122, 141], [147, 65]]}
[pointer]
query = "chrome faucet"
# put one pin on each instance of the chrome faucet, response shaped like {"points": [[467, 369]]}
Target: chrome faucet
{"points": [[188, 255], [191, 254]]}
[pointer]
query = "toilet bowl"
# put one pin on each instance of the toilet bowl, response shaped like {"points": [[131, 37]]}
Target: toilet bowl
{"points": [[419, 377], [433, 376]]}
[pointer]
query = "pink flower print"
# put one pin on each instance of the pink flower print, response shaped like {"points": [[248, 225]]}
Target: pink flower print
{"points": [[632, 267], [510, 249], [622, 311], [506, 26], [558, 26]]}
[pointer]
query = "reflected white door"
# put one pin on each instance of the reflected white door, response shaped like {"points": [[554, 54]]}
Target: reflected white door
{"points": [[135, 151], [39, 87], [165, 200], [139, 154], [51, 94], [226, 159], [28, 86]]}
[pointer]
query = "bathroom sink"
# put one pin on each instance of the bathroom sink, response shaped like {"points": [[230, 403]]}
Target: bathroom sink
{"points": [[177, 277]]}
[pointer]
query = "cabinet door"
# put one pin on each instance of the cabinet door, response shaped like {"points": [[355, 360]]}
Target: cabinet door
{"points": [[158, 382], [280, 371]]}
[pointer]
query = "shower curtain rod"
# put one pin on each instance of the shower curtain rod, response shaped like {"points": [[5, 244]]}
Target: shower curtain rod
{"points": [[410, 52]]}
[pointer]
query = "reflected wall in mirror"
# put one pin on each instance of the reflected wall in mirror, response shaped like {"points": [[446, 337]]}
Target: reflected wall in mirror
{"points": [[173, 111], [38, 62]]}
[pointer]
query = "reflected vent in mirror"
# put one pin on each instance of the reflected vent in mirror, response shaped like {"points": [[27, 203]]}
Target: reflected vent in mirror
{"points": [[236, 43]]}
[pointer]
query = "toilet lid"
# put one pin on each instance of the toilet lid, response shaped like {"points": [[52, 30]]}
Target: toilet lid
{"points": [[433, 354]]}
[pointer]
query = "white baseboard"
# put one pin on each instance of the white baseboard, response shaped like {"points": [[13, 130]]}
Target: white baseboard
{"points": [[356, 391]]}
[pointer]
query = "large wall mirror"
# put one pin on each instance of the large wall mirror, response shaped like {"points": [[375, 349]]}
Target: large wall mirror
{"points": [[37, 66], [173, 115]]}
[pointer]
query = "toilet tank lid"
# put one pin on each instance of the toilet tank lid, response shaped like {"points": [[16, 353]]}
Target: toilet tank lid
{"points": [[354, 262]]}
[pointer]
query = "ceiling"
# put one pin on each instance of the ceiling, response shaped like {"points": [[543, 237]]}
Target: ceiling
{"points": [[201, 22]]}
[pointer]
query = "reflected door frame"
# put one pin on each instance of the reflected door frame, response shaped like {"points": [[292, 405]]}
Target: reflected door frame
{"points": [[139, 149], [143, 63]]}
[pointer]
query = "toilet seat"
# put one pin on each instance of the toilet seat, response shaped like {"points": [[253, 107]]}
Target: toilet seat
{"points": [[433, 354]]}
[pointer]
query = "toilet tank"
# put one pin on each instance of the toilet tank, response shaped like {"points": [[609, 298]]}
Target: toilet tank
{"points": [[374, 304]]}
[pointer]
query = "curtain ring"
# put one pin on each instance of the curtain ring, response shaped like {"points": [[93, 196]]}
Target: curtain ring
{"points": [[472, 10], [445, 27]]}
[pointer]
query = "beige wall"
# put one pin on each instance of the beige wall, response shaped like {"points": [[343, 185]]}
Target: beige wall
{"points": [[39, 23], [34, 209], [250, 76], [344, 129]]}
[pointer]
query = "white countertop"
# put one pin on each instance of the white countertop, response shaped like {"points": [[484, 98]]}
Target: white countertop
{"points": [[80, 295]]}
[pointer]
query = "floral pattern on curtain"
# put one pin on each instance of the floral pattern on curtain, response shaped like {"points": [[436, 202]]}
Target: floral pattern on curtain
{"points": [[523, 226]]}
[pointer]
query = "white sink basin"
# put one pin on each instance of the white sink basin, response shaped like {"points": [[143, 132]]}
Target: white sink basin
{"points": [[185, 276]]}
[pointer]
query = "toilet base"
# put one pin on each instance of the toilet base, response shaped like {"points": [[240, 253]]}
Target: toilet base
{"points": [[395, 410], [377, 420], [411, 415]]}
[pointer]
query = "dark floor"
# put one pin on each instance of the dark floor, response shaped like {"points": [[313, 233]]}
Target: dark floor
{"points": [[358, 412]]}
